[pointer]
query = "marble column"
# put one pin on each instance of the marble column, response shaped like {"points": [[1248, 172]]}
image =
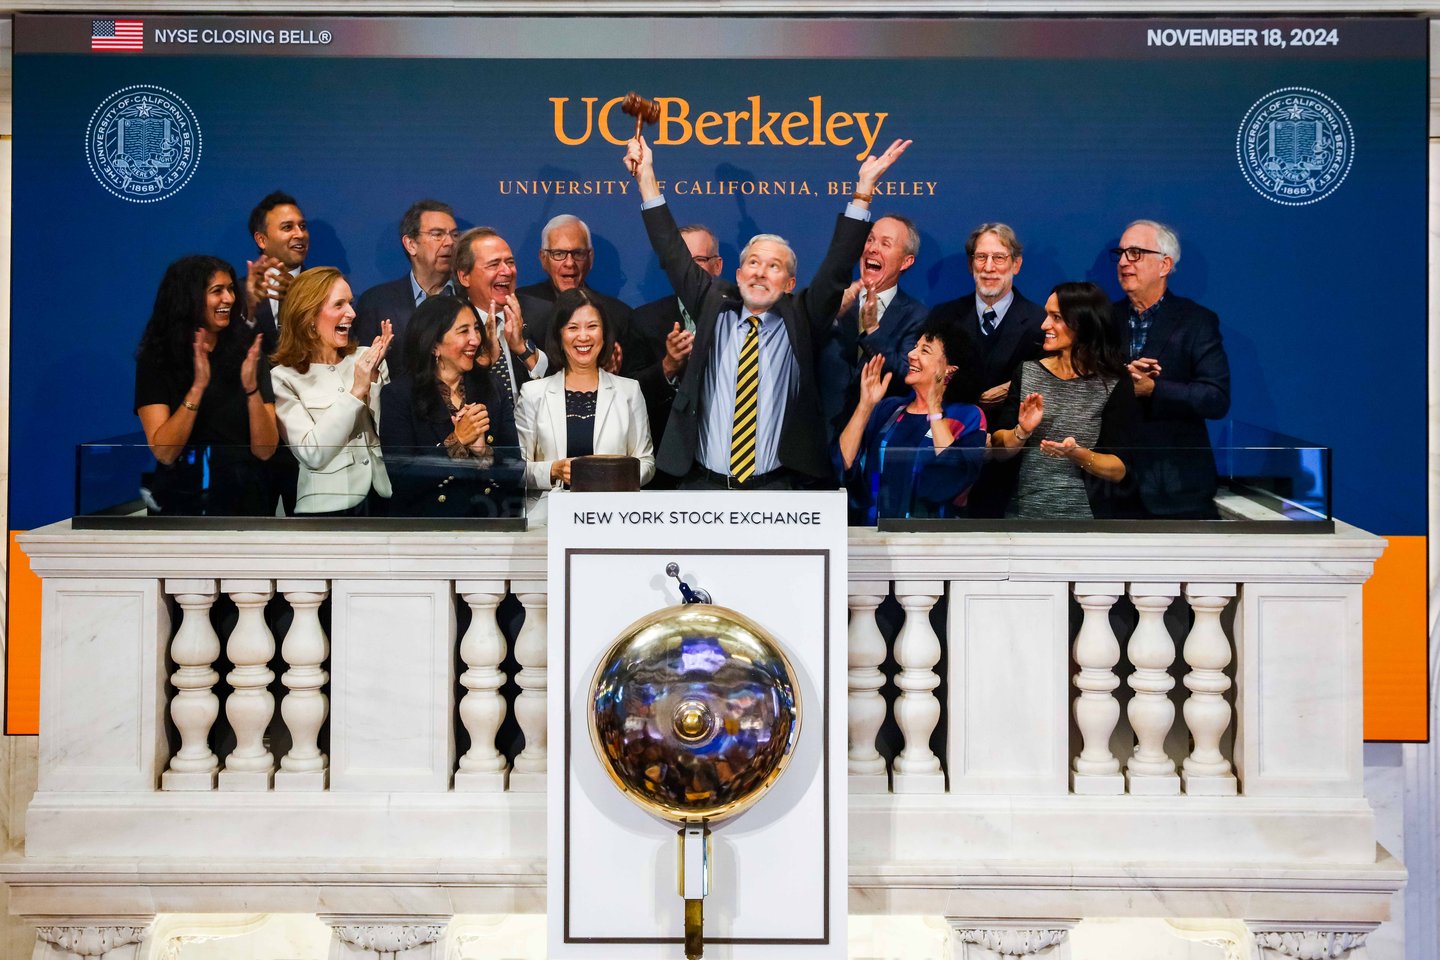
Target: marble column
{"points": [[866, 705]]}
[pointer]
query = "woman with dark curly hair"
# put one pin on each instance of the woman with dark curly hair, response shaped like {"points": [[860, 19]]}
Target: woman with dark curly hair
{"points": [[915, 455], [1072, 412], [203, 396]]}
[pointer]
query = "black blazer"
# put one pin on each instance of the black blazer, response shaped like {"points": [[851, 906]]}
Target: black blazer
{"points": [[1018, 338], [425, 480], [807, 315], [846, 351], [641, 354], [1177, 471], [391, 301]]}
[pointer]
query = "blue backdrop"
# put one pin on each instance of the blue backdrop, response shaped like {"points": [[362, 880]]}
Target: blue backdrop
{"points": [[1322, 306]]}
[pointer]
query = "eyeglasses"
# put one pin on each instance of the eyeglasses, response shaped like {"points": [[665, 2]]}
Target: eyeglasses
{"points": [[1132, 254], [702, 261], [999, 259], [437, 234], [561, 256]]}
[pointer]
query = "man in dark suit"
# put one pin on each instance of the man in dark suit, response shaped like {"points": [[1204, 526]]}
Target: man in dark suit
{"points": [[662, 335], [428, 234], [1003, 331], [566, 256], [890, 330], [746, 414], [485, 273], [1180, 372], [283, 237]]}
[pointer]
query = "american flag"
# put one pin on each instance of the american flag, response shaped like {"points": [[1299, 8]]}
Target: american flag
{"points": [[117, 34]]}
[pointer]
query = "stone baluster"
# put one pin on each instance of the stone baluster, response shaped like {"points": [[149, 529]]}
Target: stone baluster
{"points": [[304, 651], [482, 709], [917, 712], [1096, 770], [531, 653], [1151, 650], [866, 705], [250, 705], [195, 707], [1205, 771]]}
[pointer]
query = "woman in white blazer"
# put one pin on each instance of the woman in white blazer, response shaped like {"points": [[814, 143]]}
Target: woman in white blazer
{"points": [[327, 397], [582, 409]]}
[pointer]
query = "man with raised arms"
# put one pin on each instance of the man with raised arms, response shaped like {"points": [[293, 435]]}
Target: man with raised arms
{"points": [[746, 413]]}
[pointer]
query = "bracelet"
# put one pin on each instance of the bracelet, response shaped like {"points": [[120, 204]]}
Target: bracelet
{"points": [[251, 393], [862, 197], [192, 407], [935, 416], [1021, 437], [1089, 462]]}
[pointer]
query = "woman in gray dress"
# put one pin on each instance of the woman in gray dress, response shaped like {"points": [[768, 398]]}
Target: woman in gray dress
{"points": [[1071, 412]]}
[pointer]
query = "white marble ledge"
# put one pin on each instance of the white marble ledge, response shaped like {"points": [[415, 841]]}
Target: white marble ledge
{"points": [[1001, 889], [1346, 556]]}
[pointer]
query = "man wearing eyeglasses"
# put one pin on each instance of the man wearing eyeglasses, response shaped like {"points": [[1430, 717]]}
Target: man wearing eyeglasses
{"points": [[1003, 328], [566, 256], [1181, 375], [427, 234], [662, 335]]}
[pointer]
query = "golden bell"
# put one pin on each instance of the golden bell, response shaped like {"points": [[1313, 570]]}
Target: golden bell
{"points": [[695, 713]]}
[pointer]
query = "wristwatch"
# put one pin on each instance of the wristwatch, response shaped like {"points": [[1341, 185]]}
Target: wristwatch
{"points": [[529, 350]]}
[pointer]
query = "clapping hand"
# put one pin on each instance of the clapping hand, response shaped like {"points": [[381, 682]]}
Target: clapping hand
{"points": [[202, 362], [471, 421], [1143, 373], [1066, 448], [249, 368], [265, 278], [678, 344], [870, 311], [367, 367], [873, 384], [1032, 411]]}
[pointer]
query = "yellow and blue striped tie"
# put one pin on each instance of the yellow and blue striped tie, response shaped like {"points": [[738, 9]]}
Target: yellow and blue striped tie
{"points": [[747, 396]]}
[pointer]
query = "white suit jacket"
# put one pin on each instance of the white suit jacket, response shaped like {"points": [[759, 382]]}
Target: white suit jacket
{"points": [[333, 435], [621, 427]]}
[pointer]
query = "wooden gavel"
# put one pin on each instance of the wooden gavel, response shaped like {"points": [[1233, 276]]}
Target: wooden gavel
{"points": [[644, 111]]}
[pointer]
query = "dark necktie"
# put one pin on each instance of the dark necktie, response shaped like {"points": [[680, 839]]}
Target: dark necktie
{"points": [[747, 396], [988, 321]]}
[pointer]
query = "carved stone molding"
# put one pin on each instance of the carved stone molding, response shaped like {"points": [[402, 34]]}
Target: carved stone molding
{"points": [[91, 941], [389, 940], [1308, 944], [1006, 941]]}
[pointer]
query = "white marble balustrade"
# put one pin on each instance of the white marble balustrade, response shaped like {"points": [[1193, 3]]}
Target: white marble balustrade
{"points": [[1009, 738]]}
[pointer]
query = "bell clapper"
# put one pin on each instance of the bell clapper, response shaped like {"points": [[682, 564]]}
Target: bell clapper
{"points": [[672, 569], [694, 884]]}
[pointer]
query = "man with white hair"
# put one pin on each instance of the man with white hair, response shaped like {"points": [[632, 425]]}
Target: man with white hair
{"points": [[746, 414], [566, 256], [1180, 371]]}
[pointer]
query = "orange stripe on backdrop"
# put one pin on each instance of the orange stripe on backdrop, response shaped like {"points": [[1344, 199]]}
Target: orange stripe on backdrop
{"points": [[1396, 658], [22, 667]]}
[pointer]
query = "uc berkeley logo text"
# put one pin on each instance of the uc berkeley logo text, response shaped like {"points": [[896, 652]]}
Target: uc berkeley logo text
{"points": [[143, 143], [1295, 146]]}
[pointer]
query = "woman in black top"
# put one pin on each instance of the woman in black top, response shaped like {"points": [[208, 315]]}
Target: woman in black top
{"points": [[203, 396], [448, 441]]}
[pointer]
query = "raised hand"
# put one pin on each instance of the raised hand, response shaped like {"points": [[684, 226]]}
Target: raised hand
{"points": [[513, 324], [612, 362], [1032, 411], [873, 168], [873, 385], [870, 311], [249, 367], [847, 299], [935, 392]]}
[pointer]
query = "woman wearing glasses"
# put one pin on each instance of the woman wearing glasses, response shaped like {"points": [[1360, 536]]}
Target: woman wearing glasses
{"points": [[1072, 413]]}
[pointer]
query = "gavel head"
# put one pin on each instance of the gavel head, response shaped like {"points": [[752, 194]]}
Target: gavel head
{"points": [[640, 108]]}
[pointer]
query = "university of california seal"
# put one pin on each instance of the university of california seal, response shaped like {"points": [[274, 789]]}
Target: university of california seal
{"points": [[1295, 146], [143, 143]]}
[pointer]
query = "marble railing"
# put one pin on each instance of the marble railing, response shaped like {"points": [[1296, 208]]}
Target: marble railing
{"points": [[1043, 727]]}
